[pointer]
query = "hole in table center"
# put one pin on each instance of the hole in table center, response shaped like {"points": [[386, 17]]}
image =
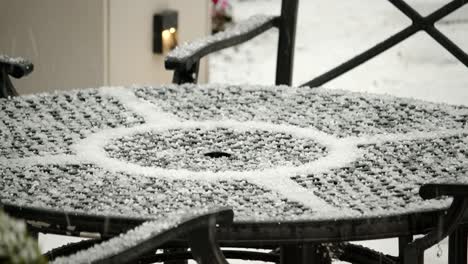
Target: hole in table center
{"points": [[217, 154]]}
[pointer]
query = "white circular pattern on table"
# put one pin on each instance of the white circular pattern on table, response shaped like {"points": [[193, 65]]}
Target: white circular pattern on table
{"points": [[217, 148], [340, 154]]}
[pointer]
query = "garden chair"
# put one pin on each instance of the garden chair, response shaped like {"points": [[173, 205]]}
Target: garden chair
{"points": [[185, 59], [15, 67], [140, 244]]}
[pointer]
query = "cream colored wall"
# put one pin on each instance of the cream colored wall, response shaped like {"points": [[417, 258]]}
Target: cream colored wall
{"points": [[62, 37], [131, 58], [90, 43]]}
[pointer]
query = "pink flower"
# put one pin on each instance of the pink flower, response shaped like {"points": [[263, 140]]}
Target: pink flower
{"points": [[221, 4]]}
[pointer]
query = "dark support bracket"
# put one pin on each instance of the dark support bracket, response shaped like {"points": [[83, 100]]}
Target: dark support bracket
{"points": [[189, 75], [447, 222], [6, 87], [15, 67], [203, 244]]}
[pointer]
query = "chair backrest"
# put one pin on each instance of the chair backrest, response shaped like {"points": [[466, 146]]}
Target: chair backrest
{"points": [[419, 23], [287, 31], [185, 61]]}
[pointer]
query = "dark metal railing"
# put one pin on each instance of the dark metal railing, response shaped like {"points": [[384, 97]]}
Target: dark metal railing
{"points": [[419, 23]]}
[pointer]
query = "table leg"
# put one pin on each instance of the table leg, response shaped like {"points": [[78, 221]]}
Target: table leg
{"points": [[33, 232], [458, 245], [34, 235], [413, 255], [175, 250], [409, 254], [304, 254], [402, 242]]}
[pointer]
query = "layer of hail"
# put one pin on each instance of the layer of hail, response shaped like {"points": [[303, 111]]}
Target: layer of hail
{"points": [[273, 153]]}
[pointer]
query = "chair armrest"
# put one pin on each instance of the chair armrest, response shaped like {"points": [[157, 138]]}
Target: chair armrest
{"points": [[444, 188], [188, 54], [446, 222], [16, 67], [146, 238]]}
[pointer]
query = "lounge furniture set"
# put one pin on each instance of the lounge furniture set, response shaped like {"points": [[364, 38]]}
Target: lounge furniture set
{"points": [[183, 171]]}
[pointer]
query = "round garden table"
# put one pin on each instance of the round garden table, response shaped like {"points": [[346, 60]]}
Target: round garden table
{"points": [[298, 165]]}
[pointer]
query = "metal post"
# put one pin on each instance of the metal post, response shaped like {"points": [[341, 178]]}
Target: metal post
{"points": [[176, 250], [458, 246], [403, 241], [413, 255], [303, 254], [286, 42]]}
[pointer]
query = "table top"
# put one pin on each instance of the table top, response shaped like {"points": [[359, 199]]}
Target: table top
{"points": [[275, 154]]}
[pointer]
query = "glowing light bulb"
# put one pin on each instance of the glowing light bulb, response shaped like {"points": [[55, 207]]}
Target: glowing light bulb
{"points": [[166, 34], [172, 30]]}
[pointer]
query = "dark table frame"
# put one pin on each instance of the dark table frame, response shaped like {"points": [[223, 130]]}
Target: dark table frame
{"points": [[298, 242]]}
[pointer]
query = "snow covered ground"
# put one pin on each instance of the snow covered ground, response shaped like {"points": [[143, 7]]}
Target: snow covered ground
{"points": [[331, 31]]}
